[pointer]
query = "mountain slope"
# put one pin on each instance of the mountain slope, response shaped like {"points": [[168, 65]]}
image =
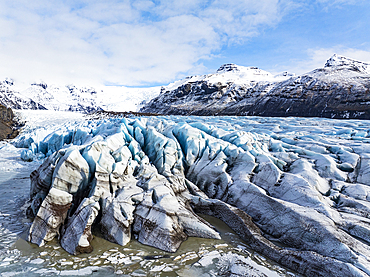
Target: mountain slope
{"points": [[64, 98], [210, 94], [11, 98], [40, 95], [339, 90]]}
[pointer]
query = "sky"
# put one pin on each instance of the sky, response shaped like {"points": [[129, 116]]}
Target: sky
{"points": [[155, 42]]}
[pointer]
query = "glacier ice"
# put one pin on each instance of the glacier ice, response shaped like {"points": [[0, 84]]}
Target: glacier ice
{"points": [[76, 233], [301, 183]]}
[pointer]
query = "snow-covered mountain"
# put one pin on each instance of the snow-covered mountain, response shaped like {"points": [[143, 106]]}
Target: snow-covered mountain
{"points": [[339, 90], [340, 61], [11, 98], [210, 94], [232, 73], [63, 98], [40, 95]]}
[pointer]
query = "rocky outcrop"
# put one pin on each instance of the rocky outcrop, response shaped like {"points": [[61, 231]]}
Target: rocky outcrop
{"points": [[290, 198], [7, 123], [339, 90]]}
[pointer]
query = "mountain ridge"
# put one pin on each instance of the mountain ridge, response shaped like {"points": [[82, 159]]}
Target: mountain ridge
{"points": [[338, 90], [70, 97]]}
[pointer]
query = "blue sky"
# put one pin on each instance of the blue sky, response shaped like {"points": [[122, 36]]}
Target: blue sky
{"points": [[154, 42], [306, 37]]}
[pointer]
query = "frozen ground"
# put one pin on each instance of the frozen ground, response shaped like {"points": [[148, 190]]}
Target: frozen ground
{"points": [[304, 181]]}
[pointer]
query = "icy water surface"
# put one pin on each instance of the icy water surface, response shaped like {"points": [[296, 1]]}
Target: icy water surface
{"points": [[196, 256]]}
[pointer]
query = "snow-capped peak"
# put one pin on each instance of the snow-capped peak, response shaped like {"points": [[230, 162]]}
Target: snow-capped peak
{"points": [[239, 71], [341, 61], [40, 84], [227, 67], [8, 81], [232, 73], [244, 74]]}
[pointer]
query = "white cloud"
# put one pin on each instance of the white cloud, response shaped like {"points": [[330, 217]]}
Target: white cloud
{"points": [[336, 2], [123, 42], [328, 5]]}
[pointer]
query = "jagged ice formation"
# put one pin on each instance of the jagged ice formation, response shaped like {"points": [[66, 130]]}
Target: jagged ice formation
{"points": [[297, 190]]}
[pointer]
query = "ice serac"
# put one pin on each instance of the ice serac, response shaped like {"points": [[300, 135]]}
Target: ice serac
{"points": [[76, 233], [119, 180], [71, 173], [162, 218], [41, 182], [50, 217], [338, 90], [118, 213], [363, 170], [306, 191]]}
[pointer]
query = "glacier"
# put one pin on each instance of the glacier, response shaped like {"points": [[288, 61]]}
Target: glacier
{"points": [[297, 190]]}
